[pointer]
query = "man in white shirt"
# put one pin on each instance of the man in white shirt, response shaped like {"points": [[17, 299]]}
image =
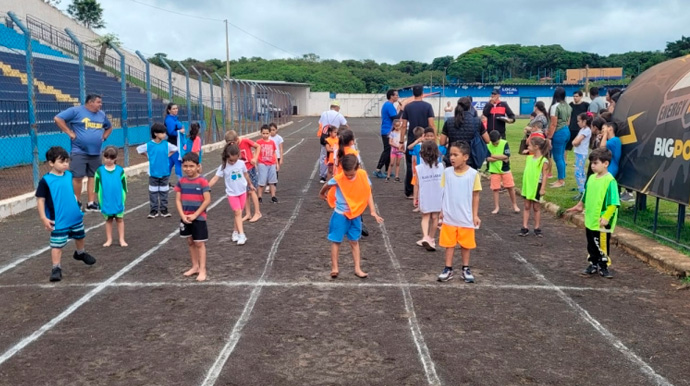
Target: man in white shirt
{"points": [[330, 117]]}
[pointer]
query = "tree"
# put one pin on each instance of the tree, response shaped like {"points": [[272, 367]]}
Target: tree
{"points": [[52, 2], [105, 42], [678, 48], [87, 12]]}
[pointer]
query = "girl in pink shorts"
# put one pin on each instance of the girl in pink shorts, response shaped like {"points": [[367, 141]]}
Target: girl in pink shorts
{"points": [[397, 150], [236, 177]]}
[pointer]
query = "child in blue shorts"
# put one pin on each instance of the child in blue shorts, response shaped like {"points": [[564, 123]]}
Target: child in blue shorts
{"points": [[349, 199], [59, 211]]}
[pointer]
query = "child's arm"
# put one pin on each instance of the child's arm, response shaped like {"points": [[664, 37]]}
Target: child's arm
{"points": [[281, 153], [178, 205], [41, 205], [324, 190], [202, 208], [544, 173], [475, 209], [255, 154], [328, 148], [171, 149], [413, 144], [141, 149], [578, 140], [249, 181], [213, 181], [372, 210]]}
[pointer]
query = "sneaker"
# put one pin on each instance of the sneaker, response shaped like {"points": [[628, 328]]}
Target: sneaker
{"points": [[446, 275], [80, 208], [235, 236], [241, 239], [604, 272], [274, 200], [322, 181], [92, 207], [152, 214], [467, 275], [56, 274], [590, 270], [379, 174], [165, 213], [523, 232], [537, 232], [365, 231], [388, 179], [85, 257], [627, 196], [392, 175]]}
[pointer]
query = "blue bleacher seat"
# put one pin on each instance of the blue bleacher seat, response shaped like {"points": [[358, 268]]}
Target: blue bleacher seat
{"points": [[14, 40]]}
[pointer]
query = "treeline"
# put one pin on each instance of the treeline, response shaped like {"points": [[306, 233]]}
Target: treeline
{"points": [[511, 63]]}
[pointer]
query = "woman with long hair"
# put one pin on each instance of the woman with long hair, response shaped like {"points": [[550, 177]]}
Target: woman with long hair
{"points": [[174, 128], [559, 132], [463, 126]]}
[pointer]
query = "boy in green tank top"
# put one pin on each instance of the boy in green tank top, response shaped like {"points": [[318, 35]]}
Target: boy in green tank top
{"points": [[600, 204], [499, 169]]}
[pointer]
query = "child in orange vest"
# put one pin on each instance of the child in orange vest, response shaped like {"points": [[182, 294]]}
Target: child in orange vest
{"points": [[331, 149], [349, 199]]}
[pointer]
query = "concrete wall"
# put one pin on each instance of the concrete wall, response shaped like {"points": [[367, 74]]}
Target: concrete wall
{"points": [[351, 105], [300, 94]]}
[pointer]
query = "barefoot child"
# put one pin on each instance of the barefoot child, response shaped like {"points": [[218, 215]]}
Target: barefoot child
{"points": [[249, 153], [192, 197], [429, 174], [397, 150], [111, 188], [499, 168], [59, 211], [534, 183], [349, 199], [237, 184]]}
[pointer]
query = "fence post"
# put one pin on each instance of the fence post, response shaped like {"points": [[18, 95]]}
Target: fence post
{"points": [[82, 81], [31, 97], [232, 112], [189, 98], [202, 122], [241, 111], [170, 86], [222, 99], [213, 110], [123, 118], [149, 100]]}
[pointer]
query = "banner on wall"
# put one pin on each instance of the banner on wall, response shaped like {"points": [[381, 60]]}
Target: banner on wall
{"points": [[506, 90], [653, 116]]}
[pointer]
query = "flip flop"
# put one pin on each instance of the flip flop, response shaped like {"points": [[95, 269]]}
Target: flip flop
{"points": [[334, 274]]}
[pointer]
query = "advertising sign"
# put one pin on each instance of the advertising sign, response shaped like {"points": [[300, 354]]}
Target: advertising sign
{"points": [[505, 90]]}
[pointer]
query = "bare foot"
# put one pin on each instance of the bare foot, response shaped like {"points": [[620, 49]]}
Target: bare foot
{"points": [[494, 211], [516, 209], [192, 271], [108, 243], [246, 218], [334, 274], [202, 276], [123, 243], [361, 274], [256, 217]]}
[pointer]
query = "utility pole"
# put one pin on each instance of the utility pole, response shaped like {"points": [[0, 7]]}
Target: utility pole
{"points": [[587, 80], [228, 115]]}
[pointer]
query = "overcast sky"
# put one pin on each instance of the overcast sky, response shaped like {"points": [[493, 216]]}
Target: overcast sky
{"points": [[388, 31]]}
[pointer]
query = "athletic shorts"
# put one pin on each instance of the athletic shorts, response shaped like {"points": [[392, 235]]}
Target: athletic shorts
{"points": [[83, 165], [537, 196], [267, 174], [505, 179], [237, 202], [395, 153], [451, 236], [341, 226], [253, 177], [60, 237], [113, 216], [197, 230]]}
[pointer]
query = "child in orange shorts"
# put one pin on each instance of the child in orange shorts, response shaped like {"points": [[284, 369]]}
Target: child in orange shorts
{"points": [[461, 185], [499, 169]]}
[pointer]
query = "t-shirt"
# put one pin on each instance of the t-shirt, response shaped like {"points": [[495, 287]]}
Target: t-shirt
{"points": [[429, 182], [597, 104], [173, 126], [157, 152], [499, 167], [562, 112], [493, 112], [192, 194], [332, 118], [233, 175], [532, 176], [417, 113], [417, 150], [394, 136], [340, 202], [88, 127], [111, 188], [278, 140], [246, 145], [457, 196], [600, 192], [267, 152], [388, 114], [60, 202], [577, 110], [583, 147], [615, 147]]}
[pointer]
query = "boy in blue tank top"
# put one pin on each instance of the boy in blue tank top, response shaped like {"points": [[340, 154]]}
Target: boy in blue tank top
{"points": [[158, 150], [59, 211], [111, 188]]}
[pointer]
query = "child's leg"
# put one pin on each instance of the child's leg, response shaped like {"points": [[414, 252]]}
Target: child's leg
{"points": [[239, 220], [465, 253], [513, 200], [272, 189], [194, 256], [121, 231], [415, 196], [200, 247], [335, 249], [356, 258], [56, 256], [496, 207], [433, 226], [257, 210], [397, 166], [580, 172], [109, 232], [425, 225], [260, 192], [537, 215], [79, 243], [525, 213], [163, 194], [449, 256]]}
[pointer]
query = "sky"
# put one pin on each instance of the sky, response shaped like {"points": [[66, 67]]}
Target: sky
{"points": [[387, 31]]}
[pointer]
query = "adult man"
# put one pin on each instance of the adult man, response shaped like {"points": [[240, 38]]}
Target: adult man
{"points": [[598, 103], [389, 111], [331, 117], [578, 107], [88, 127], [415, 113], [497, 114]]}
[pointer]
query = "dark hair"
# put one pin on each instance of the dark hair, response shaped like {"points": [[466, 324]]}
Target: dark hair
{"points": [[194, 130], [349, 162], [463, 146], [593, 92], [606, 115], [344, 138], [429, 130], [541, 143], [578, 93], [273, 124], [417, 90], [91, 97], [541, 107], [598, 123], [494, 135], [616, 96], [389, 93], [191, 157], [614, 126], [600, 154], [464, 104], [265, 127], [613, 91], [230, 149], [558, 95], [158, 128], [56, 153], [331, 129], [533, 114], [418, 131], [170, 106], [587, 117], [429, 153], [110, 152]]}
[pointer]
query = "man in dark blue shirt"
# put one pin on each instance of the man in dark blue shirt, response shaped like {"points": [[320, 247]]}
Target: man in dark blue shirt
{"points": [[416, 113], [389, 112]]}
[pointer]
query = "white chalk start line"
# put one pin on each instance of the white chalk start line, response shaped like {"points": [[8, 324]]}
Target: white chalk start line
{"points": [[298, 130]]}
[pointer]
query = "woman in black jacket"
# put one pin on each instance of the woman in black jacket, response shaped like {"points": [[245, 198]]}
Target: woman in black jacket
{"points": [[462, 127]]}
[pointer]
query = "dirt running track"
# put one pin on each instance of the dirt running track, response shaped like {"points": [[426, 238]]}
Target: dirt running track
{"points": [[270, 315]]}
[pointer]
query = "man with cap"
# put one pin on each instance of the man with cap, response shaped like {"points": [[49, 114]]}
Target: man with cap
{"points": [[497, 114], [330, 117]]}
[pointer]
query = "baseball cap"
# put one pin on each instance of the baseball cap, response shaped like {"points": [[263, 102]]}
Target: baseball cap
{"points": [[335, 103], [495, 92]]}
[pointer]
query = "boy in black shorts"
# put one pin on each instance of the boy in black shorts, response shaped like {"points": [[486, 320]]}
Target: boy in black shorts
{"points": [[193, 196], [59, 211]]}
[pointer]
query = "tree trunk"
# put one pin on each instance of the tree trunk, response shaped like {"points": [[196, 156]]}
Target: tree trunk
{"points": [[101, 55]]}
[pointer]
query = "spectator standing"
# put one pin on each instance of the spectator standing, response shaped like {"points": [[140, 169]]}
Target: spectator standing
{"points": [[330, 117], [448, 111], [174, 129], [559, 133], [579, 107], [416, 113], [598, 102], [497, 114], [389, 112]]}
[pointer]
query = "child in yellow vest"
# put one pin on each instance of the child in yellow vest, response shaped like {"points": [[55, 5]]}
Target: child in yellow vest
{"points": [[351, 198], [499, 169]]}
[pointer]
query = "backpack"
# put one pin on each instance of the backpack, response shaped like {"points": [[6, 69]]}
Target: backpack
{"points": [[478, 151]]}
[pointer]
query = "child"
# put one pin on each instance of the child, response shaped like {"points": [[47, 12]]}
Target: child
{"points": [[581, 148], [237, 184], [267, 164], [461, 185], [601, 204], [397, 150], [429, 174], [249, 153], [331, 149], [534, 129], [192, 197], [275, 137], [534, 184], [193, 141], [111, 187], [414, 149], [499, 169], [346, 145], [158, 151], [352, 195], [59, 212]]}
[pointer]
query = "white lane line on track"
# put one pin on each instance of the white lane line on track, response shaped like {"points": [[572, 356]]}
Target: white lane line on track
{"points": [[84, 299], [87, 230], [301, 120], [293, 146], [298, 130], [235, 334]]}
